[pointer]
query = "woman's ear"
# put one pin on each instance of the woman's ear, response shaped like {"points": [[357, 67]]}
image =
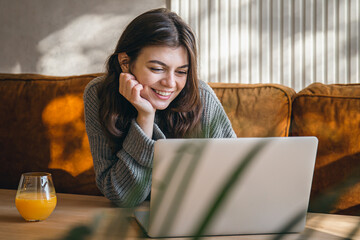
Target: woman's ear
{"points": [[124, 60]]}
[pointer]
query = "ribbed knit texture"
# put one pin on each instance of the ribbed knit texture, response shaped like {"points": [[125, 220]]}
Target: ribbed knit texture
{"points": [[125, 177]]}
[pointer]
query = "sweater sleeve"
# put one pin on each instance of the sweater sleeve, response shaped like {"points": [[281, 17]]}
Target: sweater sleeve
{"points": [[215, 122], [123, 177]]}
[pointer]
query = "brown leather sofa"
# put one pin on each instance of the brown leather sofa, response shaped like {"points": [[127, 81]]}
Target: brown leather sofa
{"points": [[42, 129]]}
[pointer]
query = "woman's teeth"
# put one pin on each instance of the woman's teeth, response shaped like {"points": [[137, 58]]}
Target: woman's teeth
{"points": [[162, 93]]}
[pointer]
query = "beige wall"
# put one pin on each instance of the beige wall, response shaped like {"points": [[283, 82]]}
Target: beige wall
{"points": [[64, 37]]}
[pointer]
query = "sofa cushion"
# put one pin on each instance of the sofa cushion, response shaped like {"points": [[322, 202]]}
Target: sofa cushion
{"points": [[256, 110], [42, 129], [332, 114]]}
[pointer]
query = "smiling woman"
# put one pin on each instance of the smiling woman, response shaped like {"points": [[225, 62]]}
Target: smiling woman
{"points": [[161, 71], [151, 91]]}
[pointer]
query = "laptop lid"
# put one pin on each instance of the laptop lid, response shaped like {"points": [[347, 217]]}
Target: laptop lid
{"points": [[230, 186]]}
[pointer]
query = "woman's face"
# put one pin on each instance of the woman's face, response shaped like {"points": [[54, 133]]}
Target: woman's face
{"points": [[162, 71]]}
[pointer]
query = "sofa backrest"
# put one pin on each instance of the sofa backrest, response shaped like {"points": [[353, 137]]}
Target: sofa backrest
{"points": [[257, 110], [42, 129]]}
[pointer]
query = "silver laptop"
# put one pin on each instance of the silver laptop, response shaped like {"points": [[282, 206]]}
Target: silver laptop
{"points": [[211, 187]]}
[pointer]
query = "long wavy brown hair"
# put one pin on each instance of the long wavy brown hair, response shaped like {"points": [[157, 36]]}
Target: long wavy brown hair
{"points": [[182, 117]]}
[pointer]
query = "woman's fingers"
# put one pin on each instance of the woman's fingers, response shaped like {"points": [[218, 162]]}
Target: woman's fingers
{"points": [[135, 93], [130, 88], [126, 83], [124, 79]]}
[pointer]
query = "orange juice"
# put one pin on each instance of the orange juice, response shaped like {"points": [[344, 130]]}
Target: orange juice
{"points": [[35, 206]]}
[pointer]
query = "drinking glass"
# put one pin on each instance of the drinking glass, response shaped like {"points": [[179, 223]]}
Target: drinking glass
{"points": [[35, 198]]}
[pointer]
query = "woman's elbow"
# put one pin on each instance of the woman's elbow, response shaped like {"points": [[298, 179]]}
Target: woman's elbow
{"points": [[124, 201]]}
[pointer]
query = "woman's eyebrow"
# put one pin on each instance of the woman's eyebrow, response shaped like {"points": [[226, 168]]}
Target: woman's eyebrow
{"points": [[163, 64], [184, 66]]}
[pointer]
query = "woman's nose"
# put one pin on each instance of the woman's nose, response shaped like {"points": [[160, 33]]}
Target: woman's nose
{"points": [[169, 80]]}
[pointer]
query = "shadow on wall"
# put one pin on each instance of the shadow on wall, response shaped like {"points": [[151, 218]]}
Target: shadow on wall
{"points": [[293, 43], [63, 37]]}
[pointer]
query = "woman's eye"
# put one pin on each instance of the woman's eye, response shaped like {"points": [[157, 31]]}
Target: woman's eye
{"points": [[182, 72], [156, 69]]}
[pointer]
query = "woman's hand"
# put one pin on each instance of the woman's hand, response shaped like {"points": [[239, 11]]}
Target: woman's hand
{"points": [[131, 89]]}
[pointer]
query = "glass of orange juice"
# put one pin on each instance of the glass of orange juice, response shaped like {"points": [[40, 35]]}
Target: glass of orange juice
{"points": [[35, 198]]}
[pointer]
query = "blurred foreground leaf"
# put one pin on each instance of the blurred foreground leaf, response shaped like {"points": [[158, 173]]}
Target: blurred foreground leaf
{"points": [[79, 233]]}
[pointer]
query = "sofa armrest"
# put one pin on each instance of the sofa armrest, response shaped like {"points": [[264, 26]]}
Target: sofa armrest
{"points": [[332, 114]]}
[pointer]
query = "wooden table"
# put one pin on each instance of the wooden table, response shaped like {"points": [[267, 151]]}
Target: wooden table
{"points": [[71, 210], [74, 210]]}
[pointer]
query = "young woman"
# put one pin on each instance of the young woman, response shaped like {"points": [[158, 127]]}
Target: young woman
{"points": [[150, 92]]}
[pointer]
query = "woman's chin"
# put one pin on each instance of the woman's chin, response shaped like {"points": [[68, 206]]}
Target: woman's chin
{"points": [[161, 107]]}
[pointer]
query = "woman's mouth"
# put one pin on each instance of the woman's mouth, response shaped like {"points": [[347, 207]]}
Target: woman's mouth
{"points": [[162, 94]]}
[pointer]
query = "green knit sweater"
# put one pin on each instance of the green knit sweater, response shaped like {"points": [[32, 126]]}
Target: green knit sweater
{"points": [[118, 174]]}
